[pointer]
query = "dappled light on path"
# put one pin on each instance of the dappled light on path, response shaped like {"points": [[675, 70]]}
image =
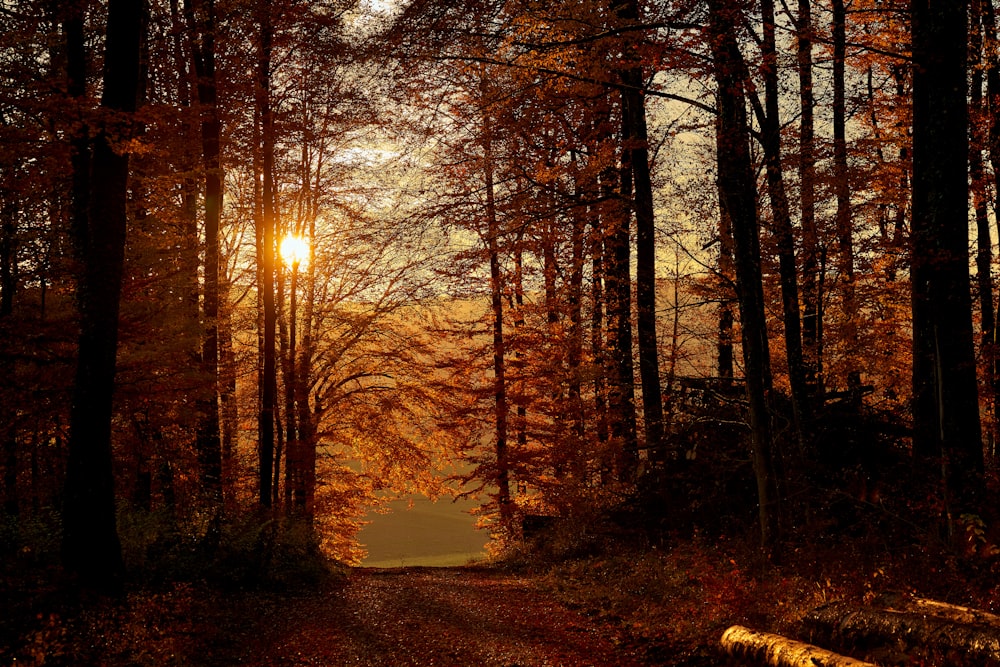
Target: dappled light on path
{"points": [[436, 616]]}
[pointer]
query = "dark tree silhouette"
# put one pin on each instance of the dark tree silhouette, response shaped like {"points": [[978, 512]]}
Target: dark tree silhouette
{"points": [[945, 394], [91, 549]]}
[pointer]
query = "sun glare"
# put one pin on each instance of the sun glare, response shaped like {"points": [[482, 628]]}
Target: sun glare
{"points": [[294, 250]]}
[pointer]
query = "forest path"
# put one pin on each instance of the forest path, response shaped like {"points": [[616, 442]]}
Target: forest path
{"points": [[428, 616]]}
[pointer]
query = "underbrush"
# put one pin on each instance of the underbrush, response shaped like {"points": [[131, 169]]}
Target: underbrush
{"points": [[184, 579], [672, 602], [245, 552]]}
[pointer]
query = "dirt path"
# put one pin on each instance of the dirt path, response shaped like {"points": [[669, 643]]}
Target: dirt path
{"points": [[430, 616]]}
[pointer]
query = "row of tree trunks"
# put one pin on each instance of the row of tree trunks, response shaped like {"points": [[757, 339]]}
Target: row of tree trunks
{"points": [[777, 651], [923, 625]]}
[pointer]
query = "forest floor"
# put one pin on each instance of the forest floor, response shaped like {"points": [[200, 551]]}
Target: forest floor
{"points": [[651, 606], [451, 616]]}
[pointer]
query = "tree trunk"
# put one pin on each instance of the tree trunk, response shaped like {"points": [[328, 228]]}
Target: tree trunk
{"points": [[776, 651], [945, 395], [90, 546], [727, 275], [501, 409], [739, 200], [520, 397], [782, 220], [811, 364], [977, 178], [635, 158], [228, 407], [906, 603], [842, 188], [202, 20], [618, 287], [306, 419], [269, 388], [993, 134], [8, 282], [844, 623], [574, 354]]}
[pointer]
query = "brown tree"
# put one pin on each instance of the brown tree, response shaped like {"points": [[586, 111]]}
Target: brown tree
{"points": [[90, 545], [945, 396]]}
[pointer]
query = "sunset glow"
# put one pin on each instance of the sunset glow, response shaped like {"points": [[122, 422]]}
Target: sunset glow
{"points": [[294, 250]]}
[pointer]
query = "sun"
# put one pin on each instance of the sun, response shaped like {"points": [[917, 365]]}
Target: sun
{"points": [[294, 250]]}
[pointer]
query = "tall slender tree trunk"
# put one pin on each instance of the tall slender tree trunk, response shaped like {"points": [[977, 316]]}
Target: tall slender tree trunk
{"points": [[269, 389], [635, 158], [574, 355], [977, 177], [90, 546], [782, 220], [989, 34], [306, 419], [842, 188], [501, 408], [727, 275], [8, 283], [811, 363], [201, 15], [297, 492], [228, 406], [945, 396], [739, 199], [520, 398]]}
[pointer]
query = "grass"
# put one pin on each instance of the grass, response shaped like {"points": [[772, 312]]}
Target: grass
{"points": [[421, 532]]}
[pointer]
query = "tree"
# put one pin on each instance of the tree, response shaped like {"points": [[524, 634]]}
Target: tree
{"points": [[739, 203], [637, 186], [90, 544], [202, 23], [266, 216], [945, 395]]}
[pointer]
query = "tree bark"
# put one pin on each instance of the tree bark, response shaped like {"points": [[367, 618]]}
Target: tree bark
{"points": [[977, 179], [501, 408], [811, 362], [776, 651], [727, 275], [739, 200], [903, 602], [269, 388], [842, 189], [635, 158], [945, 392], [845, 623], [8, 412], [202, 23], [989, 34], [90, 546], [782, 220], [574, 354]]}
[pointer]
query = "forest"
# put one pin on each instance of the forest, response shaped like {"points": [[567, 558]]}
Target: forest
{"points": [[704, 284]]}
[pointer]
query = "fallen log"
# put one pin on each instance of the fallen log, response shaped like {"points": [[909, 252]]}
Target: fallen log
{"points": [[777, 651], [904, 602], [843, 623]]}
